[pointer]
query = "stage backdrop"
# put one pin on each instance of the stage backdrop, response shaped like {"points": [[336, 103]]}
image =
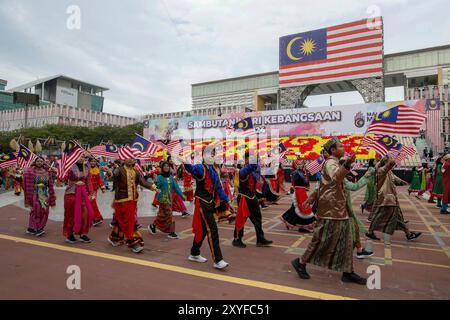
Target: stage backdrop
{"points": [[303, 130]]}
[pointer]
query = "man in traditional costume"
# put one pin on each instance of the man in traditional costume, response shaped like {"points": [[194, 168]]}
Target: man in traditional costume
{"points": [[95, 182], [248, 206], [208, 195], [332, 243], [387, 215], [126, 180]]}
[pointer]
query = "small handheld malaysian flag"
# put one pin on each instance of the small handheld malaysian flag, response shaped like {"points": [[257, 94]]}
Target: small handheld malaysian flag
{"points": [[143, 145], [8, 160], [244, 127], [107, 151], [401, 120], [71, 154], [315, 166], [25, 157]]}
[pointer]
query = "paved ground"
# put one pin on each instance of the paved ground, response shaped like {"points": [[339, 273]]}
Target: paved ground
{"points": [[35, 268]]}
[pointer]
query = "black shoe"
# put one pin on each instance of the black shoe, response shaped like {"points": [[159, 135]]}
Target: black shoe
{"points": [[413, 235], [31, 231], [154, 206], [300, 268], [444, 212], [238, 243], [40, 232], [138, 226], [97, 223], [363, 254], [71, 239], [85, 239], [372, 236], [152, 228], [264, 206], [184, 214], [264, 243], [353, 277]]}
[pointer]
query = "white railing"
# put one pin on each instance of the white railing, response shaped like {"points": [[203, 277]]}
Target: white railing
{"points": [[428, 92]]}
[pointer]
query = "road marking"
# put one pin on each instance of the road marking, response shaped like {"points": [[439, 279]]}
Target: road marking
{"points": [[192, 272]]}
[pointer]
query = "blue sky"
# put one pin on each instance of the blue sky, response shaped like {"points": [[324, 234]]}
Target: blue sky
{"points": [[149, 52]]}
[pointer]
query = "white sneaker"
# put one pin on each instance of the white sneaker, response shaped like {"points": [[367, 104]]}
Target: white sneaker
{"points": [[198, 258], [113, 243], [221, 264]]}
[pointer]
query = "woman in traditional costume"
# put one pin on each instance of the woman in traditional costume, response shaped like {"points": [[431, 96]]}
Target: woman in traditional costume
{"points": [[39, 195], [164, 220], [297, 216], [414, 187]]}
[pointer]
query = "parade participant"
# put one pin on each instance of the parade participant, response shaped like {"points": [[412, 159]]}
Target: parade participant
{"points": [[39, 195], [415, 182], [95, 182], [78, 211], [258, 189], [18, 179], [387, 216], [438, 187], [424, 182], [332, 243], [280, 179], [7, 176], [248, 206], [358, 228], [164, 220], [177, 200], [155, 174], [224, 212], [208, 195], [188, 188], [297, 216], [126, 180], [270, 188], [445, 184], [371, 190]]}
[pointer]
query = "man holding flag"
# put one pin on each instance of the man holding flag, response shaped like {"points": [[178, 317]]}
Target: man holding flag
{"points": [[126, 180], [388, 216], [332, 243]]}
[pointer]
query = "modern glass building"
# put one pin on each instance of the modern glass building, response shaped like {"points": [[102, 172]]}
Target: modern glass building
{"points": [[58, 89]]}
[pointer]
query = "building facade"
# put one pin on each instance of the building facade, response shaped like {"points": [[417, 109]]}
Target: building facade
{"points": [[14, 119], [59, 89]]}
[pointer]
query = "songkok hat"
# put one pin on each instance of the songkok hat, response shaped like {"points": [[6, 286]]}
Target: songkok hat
{"points": [[330, 143]]}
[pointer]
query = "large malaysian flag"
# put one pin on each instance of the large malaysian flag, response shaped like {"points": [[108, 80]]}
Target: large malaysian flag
{"points": [[343, 52]]}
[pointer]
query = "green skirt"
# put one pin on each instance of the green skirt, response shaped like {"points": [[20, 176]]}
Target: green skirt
{"points": [[387, 219], [331, 246], [438, 188], [415, 183]]}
